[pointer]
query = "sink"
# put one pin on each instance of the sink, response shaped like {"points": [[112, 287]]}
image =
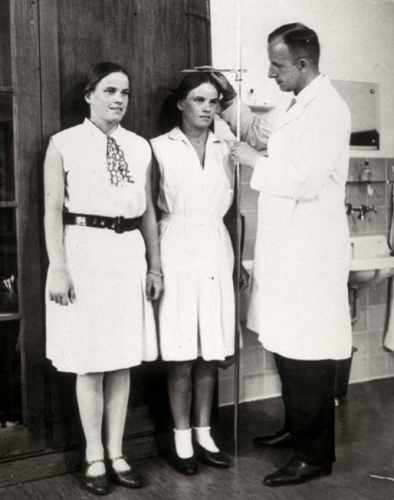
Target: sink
{"points": [[371, 260]]}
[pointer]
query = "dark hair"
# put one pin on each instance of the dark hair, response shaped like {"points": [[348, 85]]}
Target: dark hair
{"points": [[74, 108], [100, 71], [301, 41], [170, 115]]}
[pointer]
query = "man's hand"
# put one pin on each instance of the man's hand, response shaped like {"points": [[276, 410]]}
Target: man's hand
{"points": [[244, 154]]}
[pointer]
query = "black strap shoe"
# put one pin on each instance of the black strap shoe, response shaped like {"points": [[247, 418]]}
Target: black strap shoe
{"points": [[186, 466], [128, 479], [214, 459], [296, 472], [98, 485], [279, 439]]}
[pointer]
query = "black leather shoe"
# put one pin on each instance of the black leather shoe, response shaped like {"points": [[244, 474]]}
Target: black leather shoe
{"points": [[279, 439], [187, 466], [128, 479], [296, 472], [98, 485], [214, 459]]}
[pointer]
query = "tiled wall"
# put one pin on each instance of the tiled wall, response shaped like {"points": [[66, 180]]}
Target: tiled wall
{"points": [[258, 376], [371, 361]]}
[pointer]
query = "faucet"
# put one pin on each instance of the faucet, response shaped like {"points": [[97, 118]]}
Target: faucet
{"points": [[361, 210]]}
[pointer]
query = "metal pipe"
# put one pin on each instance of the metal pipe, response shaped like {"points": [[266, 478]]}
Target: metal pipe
{"points": [[237, 250]]}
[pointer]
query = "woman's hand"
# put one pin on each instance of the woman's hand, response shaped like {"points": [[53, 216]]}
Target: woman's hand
{"points": [[154, 285], [60, 287], [244, 154], [244, 278]]}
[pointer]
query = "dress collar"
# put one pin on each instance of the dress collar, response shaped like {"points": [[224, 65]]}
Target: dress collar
{"points": [[98, 133], [177, 135]]}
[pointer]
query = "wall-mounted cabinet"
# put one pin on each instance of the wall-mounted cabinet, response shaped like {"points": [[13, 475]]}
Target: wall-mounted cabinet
{"points": [[363, 101]]}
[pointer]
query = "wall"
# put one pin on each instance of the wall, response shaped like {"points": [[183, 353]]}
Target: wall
{"points": [[371, 360], [357, 39]]}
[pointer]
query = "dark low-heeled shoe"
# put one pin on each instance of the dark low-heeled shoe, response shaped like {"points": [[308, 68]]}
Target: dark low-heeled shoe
{"points": [[296, 472], [187, 466], [212, 458], [280, 439], [98, 485], [128, 478]]}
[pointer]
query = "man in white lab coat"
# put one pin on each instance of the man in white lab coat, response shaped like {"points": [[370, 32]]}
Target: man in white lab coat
{"points": [[299, 303]]}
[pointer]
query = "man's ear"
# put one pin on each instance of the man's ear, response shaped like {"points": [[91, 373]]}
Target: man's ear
{"points": [[303, 64]]}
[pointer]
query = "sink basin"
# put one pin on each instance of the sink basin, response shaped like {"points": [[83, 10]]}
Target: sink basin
{"points": [[371, 261]]}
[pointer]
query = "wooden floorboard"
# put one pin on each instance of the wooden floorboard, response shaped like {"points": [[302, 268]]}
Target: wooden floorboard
{"points": [[365, 441]]}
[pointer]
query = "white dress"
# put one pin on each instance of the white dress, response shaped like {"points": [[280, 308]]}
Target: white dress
{"points": [[196, 313], [110, 326]]}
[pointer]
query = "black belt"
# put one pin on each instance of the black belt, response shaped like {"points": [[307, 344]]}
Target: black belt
{"points": [[117, 224]]}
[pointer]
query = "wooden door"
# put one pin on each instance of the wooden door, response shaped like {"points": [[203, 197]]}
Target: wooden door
{"points": [[22, 336], [154, 40]]}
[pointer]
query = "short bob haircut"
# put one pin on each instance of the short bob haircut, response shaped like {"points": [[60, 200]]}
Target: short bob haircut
{"points": [[100, 71], [302, 41], [74, 108], [170, 114]]}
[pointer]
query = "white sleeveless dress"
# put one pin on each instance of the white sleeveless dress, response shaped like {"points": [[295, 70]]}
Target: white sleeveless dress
{"points": [[196, 312], [110, 326]]}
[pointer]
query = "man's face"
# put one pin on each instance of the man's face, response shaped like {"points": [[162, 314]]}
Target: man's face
{"points": [[286, 71]]}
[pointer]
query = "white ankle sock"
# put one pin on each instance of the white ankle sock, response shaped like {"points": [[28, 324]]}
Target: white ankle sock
{"points": [[204, 438], [183, 443]]}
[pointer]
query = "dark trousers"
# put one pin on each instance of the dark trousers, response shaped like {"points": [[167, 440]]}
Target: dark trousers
{"points": [[308, 395]]}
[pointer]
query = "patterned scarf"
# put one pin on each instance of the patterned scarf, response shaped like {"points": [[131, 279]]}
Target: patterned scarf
{"points": [[116, 163]]}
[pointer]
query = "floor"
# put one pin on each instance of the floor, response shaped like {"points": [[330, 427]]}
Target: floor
{"points": [[365, 445]]}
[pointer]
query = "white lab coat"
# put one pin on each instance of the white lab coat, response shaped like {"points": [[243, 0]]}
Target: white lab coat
{"points": [[299, 302]]}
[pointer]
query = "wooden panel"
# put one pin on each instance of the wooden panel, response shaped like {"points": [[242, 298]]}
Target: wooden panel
{"points": [[149, 38], [49, 68], [5, 44], [27, 113], [199, 25]]}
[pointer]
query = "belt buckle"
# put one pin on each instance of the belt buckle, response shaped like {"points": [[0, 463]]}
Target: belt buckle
{"points": [[119, 225]]}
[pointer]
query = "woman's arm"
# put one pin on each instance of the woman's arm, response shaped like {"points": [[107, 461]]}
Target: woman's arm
{"points": [[148, 228], [60, 286]]}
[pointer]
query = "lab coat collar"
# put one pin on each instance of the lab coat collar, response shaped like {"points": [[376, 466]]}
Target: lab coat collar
{"points": [[312, 90], [302, 100]]}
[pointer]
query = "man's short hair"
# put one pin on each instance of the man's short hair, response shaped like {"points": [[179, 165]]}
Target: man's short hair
{"points": [[301, 41]]}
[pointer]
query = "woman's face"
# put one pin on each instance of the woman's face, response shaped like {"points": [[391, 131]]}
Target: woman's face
{"points": [[199, 107], [108, 101]]}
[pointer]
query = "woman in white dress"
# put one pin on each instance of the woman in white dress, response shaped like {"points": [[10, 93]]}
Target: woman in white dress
{"points": [[99, 224], [194, 179]]}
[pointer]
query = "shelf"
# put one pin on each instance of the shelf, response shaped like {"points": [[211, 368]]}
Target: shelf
{"points": [[260, 107], [6, 90], [9, 316]]}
